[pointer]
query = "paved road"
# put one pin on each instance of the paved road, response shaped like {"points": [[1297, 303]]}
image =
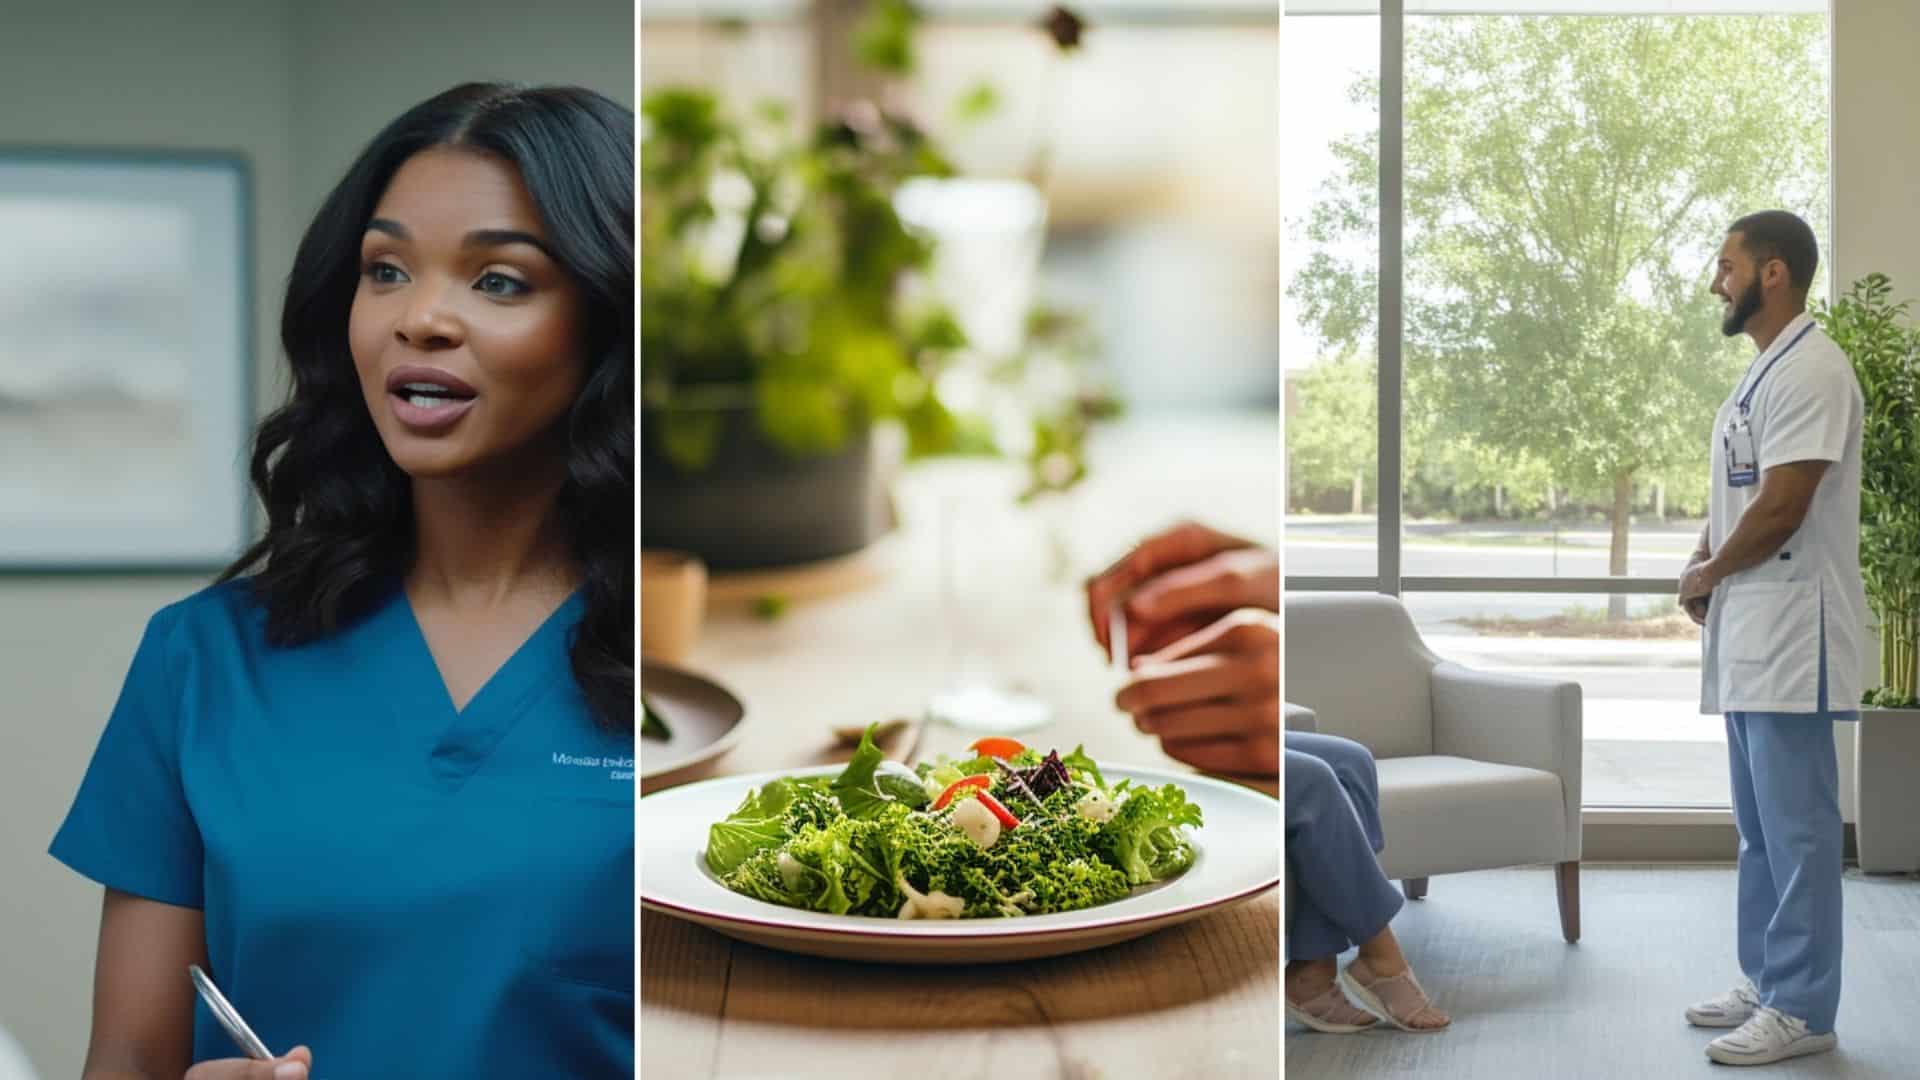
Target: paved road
{"points": [[1639, 692], [1655, 557], [1646, 741]]}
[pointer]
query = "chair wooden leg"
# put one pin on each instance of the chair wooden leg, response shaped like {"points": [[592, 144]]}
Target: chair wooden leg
{"points": [[1568, 874], [1414, 887]]}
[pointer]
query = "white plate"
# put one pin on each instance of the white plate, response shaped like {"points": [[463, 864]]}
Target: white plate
{"points": [[1237, 857]]}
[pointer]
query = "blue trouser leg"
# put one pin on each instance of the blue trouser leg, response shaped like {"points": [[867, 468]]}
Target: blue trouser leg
{"points": [[1756, 901], [1786, 802], [1354, 766], [1343, 897]]}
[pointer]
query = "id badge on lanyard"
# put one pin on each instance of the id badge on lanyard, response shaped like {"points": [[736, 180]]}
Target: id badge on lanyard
{"points": [[1743, 464]]}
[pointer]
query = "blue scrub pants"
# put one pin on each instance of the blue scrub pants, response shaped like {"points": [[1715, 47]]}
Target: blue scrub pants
{"points": [[1333, 834], [1786, 803]]}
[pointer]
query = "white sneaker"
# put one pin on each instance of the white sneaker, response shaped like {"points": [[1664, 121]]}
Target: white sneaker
{"points": [[1769, 1036], [1730, 1009]]}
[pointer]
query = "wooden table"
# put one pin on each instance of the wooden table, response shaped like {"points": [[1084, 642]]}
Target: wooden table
{"points": [[1197, 1000]]}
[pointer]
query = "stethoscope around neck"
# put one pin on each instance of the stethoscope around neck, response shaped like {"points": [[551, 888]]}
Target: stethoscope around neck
{"points": [[1745, 401]]}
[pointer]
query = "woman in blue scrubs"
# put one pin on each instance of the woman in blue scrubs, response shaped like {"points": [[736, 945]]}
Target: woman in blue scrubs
{"points": [[378, 781]]}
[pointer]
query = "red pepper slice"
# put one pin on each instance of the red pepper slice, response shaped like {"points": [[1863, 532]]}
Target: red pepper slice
{"points": [[980, 780], [1007, 820], [996, 746]]}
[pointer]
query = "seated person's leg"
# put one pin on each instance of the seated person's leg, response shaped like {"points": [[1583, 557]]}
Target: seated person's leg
{"points": [[1353, 764], [1334, 858], [1343, 900]]}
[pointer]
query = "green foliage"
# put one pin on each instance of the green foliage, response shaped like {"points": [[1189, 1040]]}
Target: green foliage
{"points": [[758, 822], [1334, 436], [847, 848], [651, 725], [1083, 768], [771, 273], [1567, 181], [1144, 837], [859, 795], [883, 40], [980, 101], [1870, 328], [769, 270]]}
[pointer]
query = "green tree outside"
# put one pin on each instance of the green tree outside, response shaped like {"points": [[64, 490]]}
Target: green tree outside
{"points": [[1568, 180]]}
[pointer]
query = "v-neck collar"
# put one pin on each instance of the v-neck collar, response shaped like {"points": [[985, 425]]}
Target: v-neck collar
{"points": [[470, 734]]}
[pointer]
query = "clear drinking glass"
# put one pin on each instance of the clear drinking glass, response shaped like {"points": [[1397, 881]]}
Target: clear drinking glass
{"points": [[995, 586]]}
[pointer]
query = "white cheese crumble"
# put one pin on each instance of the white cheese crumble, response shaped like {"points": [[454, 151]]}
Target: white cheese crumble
{"points": [[1095, 806], [978, 822], [933, 905]]}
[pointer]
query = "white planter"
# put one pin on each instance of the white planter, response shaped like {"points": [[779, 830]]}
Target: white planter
{"points": [[1886, 759]]}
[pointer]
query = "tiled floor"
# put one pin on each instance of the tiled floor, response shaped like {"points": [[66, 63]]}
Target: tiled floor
{"points": [[1526, 1004]]}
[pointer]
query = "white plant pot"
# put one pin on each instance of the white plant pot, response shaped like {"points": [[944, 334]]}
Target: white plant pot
{"points": [[1886, 758]]}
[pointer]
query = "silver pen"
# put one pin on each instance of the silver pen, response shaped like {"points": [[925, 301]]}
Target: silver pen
{"points": [[229, 1018]]}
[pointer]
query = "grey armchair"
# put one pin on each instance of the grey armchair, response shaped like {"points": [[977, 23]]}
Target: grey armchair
{"points": [[1477, 770]]}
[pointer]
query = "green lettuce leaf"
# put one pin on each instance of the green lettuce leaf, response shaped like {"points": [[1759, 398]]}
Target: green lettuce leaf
{"points": [[848, 867], [1144, 837], [859, 795], [898, 782], [730, 843], [757, 823], [1078, 762]]}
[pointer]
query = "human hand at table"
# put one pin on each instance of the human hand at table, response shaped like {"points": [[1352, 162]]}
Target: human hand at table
{"points": [[1179, 581], [297, 1063], [1213, 697]]}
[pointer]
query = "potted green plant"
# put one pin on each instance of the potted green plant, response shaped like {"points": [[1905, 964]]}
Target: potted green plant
{"points": [[1872, 330], [788, 314], [773, 333]]}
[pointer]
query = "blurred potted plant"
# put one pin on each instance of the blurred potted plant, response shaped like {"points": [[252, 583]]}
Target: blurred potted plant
{"points": [[772, 335], [1885, 353], [786, 314]]}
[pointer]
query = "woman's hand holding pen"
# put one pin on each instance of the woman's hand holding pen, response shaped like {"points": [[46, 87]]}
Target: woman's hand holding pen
{"points": [[295, 1065]]}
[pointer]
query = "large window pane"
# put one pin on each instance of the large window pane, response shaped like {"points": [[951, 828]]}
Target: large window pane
{"points": [[1569, 180], [1646, 742], [1570, 170], [1329, 125], [748, 52], [1155, 143]]}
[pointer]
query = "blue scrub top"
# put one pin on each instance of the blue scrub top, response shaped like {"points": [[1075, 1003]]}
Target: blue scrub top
{"points": [[408, 889]]}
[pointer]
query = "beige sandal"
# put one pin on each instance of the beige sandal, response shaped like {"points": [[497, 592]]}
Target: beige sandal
{"points": [[1331, 1012], [1398, 998]]}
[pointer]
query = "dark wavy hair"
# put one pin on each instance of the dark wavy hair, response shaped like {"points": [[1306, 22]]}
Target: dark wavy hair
{"points": [[339, 511]]}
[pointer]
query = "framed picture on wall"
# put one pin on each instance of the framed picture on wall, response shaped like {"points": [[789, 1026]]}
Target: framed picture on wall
{"points": [[125, 360]]}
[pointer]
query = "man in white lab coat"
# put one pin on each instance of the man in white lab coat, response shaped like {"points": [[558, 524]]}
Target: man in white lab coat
{"points": [[1776, 584]]}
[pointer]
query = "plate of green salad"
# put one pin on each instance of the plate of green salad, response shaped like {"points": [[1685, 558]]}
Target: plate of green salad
{"points": [[1011, 852]]}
